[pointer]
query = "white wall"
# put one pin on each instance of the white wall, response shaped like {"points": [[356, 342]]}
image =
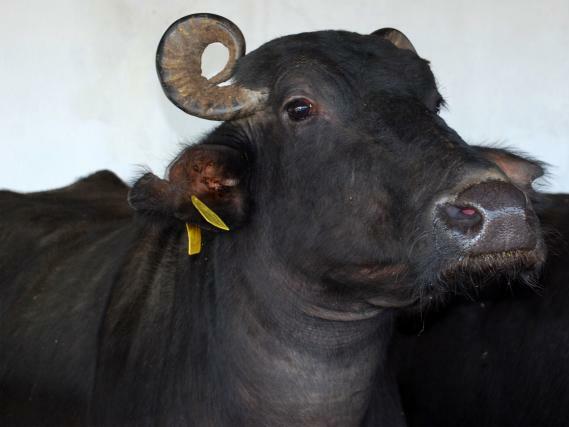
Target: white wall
{"points": [[78, 88]]}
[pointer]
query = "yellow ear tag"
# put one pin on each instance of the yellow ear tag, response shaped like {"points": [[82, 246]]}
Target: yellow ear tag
{"points": [[194, 239], [209, 215]]}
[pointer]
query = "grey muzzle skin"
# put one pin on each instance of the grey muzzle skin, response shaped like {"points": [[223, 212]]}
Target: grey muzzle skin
{"points": [[493, 217]]}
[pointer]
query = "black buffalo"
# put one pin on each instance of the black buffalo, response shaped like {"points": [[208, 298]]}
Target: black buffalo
{"points": [[499, 358], [346, 197]]}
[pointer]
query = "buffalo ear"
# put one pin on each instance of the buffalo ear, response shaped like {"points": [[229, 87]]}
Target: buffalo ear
{"points": [[216, 174], [396, 37], [521, 171]]}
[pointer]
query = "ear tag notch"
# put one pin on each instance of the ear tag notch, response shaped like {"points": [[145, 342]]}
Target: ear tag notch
{"points": [[195, 233]]}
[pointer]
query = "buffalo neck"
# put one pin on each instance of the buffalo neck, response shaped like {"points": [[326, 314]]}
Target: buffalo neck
{"points": [[225, 338], [285, 359]]}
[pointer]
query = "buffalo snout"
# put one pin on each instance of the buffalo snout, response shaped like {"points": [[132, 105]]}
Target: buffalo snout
{"points": [[491, 217]]}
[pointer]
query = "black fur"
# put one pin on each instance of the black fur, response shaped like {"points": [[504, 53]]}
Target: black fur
{"points": [[285, 319]]}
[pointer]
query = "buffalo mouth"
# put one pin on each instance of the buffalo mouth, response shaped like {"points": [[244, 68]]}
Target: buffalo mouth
{"points": [[470, 274], [512, 262]]}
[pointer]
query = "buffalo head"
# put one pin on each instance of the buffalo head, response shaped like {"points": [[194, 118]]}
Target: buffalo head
{"points": [[333, 160]]}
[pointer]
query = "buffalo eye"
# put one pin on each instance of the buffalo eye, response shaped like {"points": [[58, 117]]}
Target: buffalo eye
{"points": [[299, 109]]}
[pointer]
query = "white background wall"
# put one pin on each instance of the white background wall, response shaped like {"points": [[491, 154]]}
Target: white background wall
{"points": [[78, 88]]}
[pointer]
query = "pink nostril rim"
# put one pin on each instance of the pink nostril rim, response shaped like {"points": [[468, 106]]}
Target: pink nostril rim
{"points": [[468, 211], [465, 216]]}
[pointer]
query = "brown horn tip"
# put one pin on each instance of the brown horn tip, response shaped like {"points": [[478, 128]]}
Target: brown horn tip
{"points": [[178, 62], [396, 37]]}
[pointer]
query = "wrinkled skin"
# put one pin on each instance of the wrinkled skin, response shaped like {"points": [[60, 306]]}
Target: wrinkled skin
{"points": [[284, 320]]}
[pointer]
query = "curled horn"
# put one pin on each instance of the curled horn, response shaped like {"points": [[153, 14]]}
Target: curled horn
{"points": [[178, 62]]}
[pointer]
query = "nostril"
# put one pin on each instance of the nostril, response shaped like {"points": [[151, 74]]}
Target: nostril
{"points": [[468, 212], [464, 219], [462, 213]]}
